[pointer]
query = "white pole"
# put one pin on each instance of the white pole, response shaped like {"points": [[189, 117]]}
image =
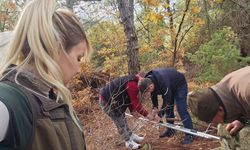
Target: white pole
{"points": [[180, 128]]}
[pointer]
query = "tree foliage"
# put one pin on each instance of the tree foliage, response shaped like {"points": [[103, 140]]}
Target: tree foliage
{"points": [[108, 40], [218, 56], [166, 31], [8, 14]]}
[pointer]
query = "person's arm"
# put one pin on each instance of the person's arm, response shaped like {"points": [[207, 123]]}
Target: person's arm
{"points": [[154, 100], [166, 93], [132, 90], [4, 121]]}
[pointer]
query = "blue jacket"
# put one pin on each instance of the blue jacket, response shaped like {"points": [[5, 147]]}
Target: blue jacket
{"points": [[166, 81]]}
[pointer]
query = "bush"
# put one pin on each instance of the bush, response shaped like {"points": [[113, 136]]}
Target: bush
{"points": [[218, 57]]}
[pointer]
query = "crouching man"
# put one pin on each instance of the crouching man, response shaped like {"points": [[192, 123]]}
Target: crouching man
{"points": [[226, 102]]}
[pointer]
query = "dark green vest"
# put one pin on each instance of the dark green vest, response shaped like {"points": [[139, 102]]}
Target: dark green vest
{"points": [[37, 122]]}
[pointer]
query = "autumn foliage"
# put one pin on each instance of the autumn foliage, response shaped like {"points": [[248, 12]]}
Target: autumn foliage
{"points": [[203, 39]]}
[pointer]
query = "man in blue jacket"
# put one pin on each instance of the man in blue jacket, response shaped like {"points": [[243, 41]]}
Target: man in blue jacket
{"points": [[172, 86]]}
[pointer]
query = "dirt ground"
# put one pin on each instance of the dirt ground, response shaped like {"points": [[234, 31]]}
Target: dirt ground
{"points": [[101, 134]]}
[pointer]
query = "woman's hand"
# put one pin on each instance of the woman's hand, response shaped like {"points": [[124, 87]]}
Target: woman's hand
{"points": [[234, 127]]}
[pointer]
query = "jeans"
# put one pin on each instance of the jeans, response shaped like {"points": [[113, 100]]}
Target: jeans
{"points": [[180, 99], [119, 119]]}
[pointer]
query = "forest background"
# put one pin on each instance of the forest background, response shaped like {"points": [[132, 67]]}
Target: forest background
{"points": [[204, 39]]}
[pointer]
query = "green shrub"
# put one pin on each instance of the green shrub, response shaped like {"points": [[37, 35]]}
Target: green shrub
{"points": [[218, 57]]}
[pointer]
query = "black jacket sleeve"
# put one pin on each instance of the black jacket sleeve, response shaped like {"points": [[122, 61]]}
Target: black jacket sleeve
{"points": [[154, 100]]}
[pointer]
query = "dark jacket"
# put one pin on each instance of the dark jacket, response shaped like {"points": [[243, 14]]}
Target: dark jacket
{"points": [[37, 122], [122, 93], [166, 81]]}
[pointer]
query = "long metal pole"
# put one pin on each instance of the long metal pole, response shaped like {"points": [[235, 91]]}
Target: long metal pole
{"points": [[180, 128]]}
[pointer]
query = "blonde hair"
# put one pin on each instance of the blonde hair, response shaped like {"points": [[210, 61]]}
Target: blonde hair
{"points": [[39, 36]]}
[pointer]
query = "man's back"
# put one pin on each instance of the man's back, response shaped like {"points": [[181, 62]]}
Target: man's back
{"points": [[233, 91]]}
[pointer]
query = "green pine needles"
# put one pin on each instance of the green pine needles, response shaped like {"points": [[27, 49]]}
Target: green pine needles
{"points": [[217, 57]]}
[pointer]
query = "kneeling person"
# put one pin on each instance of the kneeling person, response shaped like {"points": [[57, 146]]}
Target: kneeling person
{"points": [[226, 102]]}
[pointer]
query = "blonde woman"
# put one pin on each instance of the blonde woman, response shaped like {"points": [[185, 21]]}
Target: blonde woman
{"points": [[35, 106]]}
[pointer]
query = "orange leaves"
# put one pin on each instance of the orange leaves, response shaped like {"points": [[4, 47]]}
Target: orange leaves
{"points": [[156, 14], [83, 100], [196, 10], [154, 17], [195, 13], [199, 21], [154, 3], [3, 16], [166, 14], [7, 14], [145, 48], [9, 5]]}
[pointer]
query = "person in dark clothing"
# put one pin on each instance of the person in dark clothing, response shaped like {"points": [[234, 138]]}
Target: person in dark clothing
{"points": [[115, 98], [172, 86]]}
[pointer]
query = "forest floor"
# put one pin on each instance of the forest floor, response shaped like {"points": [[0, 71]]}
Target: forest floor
{"points": [[101, 133]]}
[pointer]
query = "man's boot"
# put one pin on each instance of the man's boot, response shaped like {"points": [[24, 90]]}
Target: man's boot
{"points": [[167, 133], [188, 139]]}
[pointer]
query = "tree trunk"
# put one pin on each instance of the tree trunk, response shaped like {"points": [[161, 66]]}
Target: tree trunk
{"points": [[171, 27], [245, 36], [239, 20], [126, 9], [241, 25], [177, 40], [207, 17]]}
